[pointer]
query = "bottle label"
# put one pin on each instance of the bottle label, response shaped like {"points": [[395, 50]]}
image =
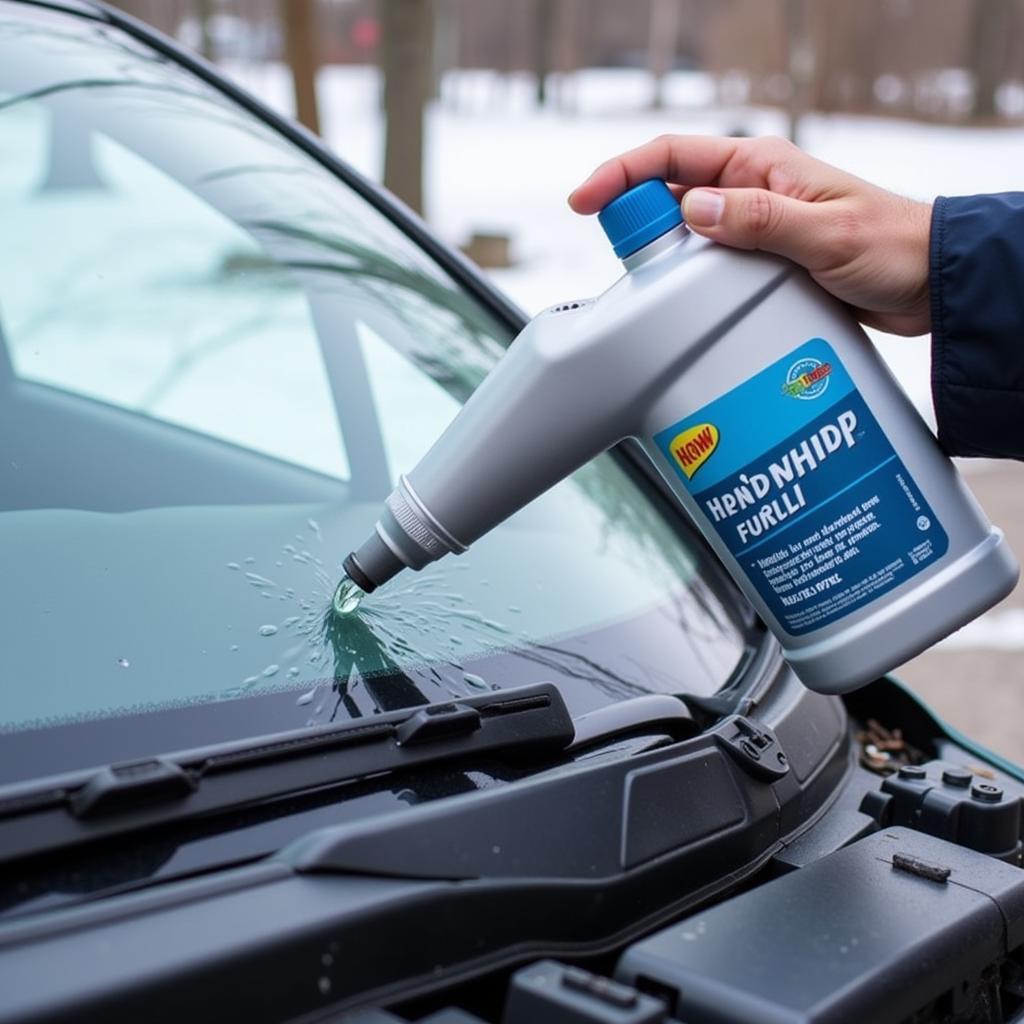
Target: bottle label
{"points": [[798, 479]]}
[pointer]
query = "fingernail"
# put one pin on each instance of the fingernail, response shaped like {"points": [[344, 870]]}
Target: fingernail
{"points": [[703, 208]]}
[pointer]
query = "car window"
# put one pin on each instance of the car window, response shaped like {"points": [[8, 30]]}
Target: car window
{"points": [[131, 289], [216, 359]]}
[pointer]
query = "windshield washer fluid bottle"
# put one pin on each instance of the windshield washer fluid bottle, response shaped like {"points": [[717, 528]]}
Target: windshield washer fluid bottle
{"points": [[771, 417]]}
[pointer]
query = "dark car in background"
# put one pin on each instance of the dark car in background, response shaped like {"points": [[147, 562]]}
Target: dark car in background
{"points": [[566, 776]]}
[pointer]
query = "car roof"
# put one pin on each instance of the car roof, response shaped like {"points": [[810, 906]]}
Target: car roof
{"points": [[86, 7]]}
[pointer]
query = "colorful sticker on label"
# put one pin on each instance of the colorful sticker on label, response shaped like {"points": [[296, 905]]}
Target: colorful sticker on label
{"points": [[796, 476]]}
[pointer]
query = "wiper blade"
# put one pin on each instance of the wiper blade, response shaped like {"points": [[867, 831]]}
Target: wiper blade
{"points": [[85, 806]]}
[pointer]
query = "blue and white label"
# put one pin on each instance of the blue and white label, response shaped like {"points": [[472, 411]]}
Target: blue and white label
{"points": [[795, 475]]}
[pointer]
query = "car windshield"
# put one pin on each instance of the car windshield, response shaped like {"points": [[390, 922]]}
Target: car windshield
{"points": [[215, 360]]}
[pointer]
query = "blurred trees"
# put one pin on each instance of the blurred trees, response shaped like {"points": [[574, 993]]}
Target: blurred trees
{"points": [[300, 45], [934, 59], [930, 59]]}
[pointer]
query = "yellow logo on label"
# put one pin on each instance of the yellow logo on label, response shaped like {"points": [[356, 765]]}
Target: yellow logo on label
{"points": [[694, 446]]}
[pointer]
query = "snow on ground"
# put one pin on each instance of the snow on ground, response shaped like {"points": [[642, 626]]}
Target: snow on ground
{"points": [[495, 162]]}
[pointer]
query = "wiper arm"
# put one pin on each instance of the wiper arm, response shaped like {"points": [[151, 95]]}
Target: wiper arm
{"points": [[528, 721], [86, 806]]}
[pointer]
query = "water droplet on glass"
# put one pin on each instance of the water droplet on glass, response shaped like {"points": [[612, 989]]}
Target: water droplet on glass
{"points": [[123, 662], [346, 597], [324, 985], [267, 630], [315, 527], [293, 671], [234, 647], [250, 680], [257, 580], [306, 698], [234, 565], [271, 670], [250, 560], [514, 608], [477, 681]]}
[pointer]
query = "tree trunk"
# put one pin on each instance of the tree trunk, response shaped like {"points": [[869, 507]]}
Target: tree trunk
{"points": [[662, 43], [801, 64], [204, 15], [299, 19], [988, 49], [446, 44], [543, 37], [405, 59]]}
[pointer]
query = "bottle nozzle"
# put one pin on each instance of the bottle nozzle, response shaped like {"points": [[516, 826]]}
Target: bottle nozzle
{"points": [[355, 573], [407, 536]]}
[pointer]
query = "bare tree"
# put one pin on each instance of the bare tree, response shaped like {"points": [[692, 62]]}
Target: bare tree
{"points": [[405, 59], [543, 45], [989, 35], [301, 52], [662, 44], [204, 15], [801, 64]]}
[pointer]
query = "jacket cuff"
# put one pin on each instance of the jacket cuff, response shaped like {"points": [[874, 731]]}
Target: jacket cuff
{"points": [[976, 282], [936, 249]]}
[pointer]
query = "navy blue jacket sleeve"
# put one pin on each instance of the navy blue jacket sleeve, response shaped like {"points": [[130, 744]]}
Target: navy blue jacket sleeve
{"points": [[977, 305]]}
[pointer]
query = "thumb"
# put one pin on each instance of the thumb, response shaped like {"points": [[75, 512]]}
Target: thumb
{"points": [[753, 218]]}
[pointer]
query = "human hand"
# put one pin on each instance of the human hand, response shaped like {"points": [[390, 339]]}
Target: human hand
{"points": [[866, 246]]}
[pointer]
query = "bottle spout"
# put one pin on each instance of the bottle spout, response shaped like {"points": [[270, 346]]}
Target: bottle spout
{"points": [[407, 536], [372, 564]]}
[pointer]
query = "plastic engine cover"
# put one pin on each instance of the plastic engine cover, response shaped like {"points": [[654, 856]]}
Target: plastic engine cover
{"points": [[873, 932]]}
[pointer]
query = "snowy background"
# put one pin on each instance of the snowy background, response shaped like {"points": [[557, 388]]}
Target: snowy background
{"points": [[496, 163]]}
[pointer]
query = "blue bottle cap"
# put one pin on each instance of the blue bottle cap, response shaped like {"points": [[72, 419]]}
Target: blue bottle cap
{"points": [[639, 216]]}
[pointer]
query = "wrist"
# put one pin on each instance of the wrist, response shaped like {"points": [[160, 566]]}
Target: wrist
{"points": [[917, 254]]}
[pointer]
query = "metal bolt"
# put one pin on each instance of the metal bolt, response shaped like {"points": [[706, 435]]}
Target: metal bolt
{"points": [[957, 777], [986, 792]]}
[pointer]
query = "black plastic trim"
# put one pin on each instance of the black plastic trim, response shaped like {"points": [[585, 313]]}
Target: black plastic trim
{"points": [[122, 799]]}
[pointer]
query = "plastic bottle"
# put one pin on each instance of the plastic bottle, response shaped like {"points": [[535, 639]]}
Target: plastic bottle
{"points": [[773, 420]]}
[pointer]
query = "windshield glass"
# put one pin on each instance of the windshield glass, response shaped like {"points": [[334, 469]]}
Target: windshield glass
{"points": [[215, 360]]}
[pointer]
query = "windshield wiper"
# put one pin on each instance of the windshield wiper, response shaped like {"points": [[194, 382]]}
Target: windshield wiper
{"points": [[530, 724], [85, 806]]}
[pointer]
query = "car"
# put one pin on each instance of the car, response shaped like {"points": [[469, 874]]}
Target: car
{"points": [[566, 776]]}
